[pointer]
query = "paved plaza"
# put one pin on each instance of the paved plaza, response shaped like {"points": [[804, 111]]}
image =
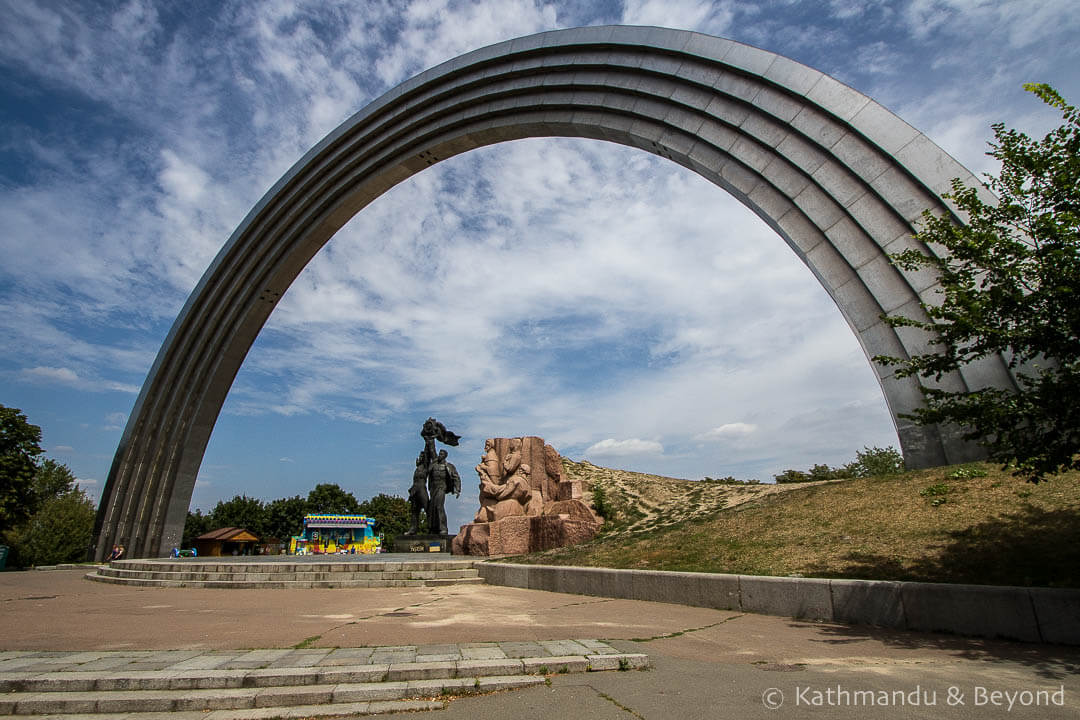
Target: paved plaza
{"points": [[704, 663]]}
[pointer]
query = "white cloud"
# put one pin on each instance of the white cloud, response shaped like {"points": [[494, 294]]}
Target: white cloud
{"points": [[67, 376], [702, 15], [437, 30], [63, 449], [1020, 22], [115, 421], [183, 179], [620, 448], [52, 376], [728, 430]]}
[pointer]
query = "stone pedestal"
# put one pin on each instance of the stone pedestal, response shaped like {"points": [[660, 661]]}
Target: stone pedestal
{"points": [[521, 535], [422, 543]]}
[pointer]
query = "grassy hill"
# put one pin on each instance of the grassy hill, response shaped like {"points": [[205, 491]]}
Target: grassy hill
{"points": [[960, 524]]}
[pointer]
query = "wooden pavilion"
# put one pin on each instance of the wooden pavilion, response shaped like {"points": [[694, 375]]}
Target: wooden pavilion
{"points": [[226, 541]]}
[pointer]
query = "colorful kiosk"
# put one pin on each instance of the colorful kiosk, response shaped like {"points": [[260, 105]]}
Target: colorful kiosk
{"points": [[332, 534]]}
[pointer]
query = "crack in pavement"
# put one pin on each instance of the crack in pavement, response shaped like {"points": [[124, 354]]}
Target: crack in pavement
{"points": [[616, 703], [583, 602], [679, 633], [384, 614]]}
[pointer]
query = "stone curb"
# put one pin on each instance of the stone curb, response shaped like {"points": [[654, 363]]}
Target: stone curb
{"points": [[1047, 615], [331, 710], [275, 698]]}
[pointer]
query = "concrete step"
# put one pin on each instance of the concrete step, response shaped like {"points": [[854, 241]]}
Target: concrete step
{"points": [[282, 584], [296, 576], [310, 683], [163, 701], [213, 678], [343, 565], [340, 573], [331, 710]]}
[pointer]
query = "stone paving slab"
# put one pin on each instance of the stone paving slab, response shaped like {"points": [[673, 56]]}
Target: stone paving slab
{"points": [[523, 649], [482, 653]]}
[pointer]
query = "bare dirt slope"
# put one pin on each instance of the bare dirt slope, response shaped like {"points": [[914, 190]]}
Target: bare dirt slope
{"points": [[635, 502]]}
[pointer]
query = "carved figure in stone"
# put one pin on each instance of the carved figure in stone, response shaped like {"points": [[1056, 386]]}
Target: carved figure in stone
{"points": [[442, 478], [507, 499], [513, 459], [493, 475], [418, 494], [489, 469]]}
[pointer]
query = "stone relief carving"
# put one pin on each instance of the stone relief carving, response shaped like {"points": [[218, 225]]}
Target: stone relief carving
{"points": [[526, 502]]}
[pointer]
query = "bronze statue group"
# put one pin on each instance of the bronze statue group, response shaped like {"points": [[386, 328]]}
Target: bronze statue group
{"points": [[432, 479]]}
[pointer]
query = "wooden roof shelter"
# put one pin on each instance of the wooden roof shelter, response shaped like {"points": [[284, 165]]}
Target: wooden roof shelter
{"points": [[224, 541]]}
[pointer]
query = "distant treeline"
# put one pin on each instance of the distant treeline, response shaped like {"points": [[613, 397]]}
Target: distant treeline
{"points": [[282, 518]]}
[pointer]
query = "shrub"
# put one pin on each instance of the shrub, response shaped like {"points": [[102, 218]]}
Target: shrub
{"points": [[824, 472], [936, 493], [965, 472], [792, 476], [874, 461], [599, 501], [729, 480]]}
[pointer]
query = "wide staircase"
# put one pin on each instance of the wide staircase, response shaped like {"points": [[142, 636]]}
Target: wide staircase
{"points": [[337, 573], [284, 683]]}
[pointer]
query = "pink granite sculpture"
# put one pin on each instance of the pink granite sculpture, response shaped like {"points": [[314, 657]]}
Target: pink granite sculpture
{"points": [[526, 502]]}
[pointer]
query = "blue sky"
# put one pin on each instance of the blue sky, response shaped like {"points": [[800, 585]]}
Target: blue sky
{"points": [[605, 299]]}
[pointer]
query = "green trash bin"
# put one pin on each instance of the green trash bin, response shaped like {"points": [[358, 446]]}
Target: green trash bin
{"points": [[3, 556]]}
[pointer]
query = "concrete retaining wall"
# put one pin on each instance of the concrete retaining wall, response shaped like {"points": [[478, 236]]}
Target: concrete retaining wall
{"points": [[1027, 614]]}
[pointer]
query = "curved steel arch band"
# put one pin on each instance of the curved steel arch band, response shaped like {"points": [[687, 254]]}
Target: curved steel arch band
{"points": [[838, 176]]}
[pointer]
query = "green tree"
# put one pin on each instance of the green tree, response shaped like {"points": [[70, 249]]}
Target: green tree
{"points": [[1010, 284], [330, 498], [240, 512], [52, 480], [61, 520], [195, 525], [285, 517], [60, 531], [19, 450], [391, 513]]}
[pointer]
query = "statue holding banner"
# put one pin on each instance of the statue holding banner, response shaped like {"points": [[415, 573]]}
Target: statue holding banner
{"points": [[441, 477]]}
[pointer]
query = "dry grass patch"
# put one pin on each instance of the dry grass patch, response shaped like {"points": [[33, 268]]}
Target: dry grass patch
{"points": [[938, 525]]}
